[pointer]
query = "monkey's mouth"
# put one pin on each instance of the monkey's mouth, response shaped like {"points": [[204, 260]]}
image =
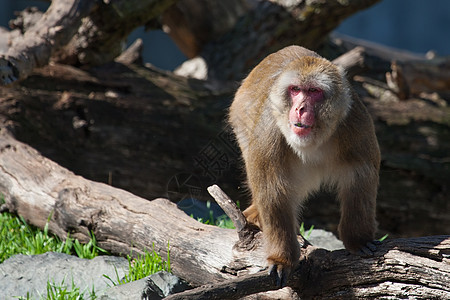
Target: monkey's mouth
{"points": [[301, 125]]}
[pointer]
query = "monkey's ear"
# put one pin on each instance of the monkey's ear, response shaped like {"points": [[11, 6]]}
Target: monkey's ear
{"points": [[343, 73]]}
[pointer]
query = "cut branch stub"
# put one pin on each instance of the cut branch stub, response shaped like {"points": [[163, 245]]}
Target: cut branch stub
{"points": [[246, 231], [228, 206]]}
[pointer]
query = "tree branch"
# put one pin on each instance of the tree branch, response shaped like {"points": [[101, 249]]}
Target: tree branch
{"points": [[55, 29], [77, 32], [417, 267]]}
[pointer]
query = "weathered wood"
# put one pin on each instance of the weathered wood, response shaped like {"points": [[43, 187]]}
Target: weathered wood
{"points": [[415, 268], [37, 188], [97, 40], [416, 78], [75, 32], [229, 207], [54, 29], [101, 36], [270, 26]]}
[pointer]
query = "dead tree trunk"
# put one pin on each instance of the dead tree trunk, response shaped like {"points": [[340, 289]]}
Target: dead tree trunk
{"points": [[75, 32], [90, 33], [37, 189], [270, 26], [53, 30]]}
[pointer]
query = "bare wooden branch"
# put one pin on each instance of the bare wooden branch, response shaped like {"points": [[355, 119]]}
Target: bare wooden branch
{"points": [[77, 31], [412, 78], [249, 235], [55, 29], [101, 36], [133, 54], [229, 207]]}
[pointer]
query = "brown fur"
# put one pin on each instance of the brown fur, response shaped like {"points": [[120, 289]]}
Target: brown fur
{"points": [[342, 153]]}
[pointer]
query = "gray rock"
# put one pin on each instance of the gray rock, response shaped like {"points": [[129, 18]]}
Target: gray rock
{"points": [[153, 287], [22, 274], [131, 290], [325, 239]]}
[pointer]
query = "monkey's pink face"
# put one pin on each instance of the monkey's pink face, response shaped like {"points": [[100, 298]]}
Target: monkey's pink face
{"points": [[301, 115]]}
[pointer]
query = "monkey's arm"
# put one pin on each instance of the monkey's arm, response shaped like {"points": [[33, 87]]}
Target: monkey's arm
{"points": [[276, 213], [358, 181], [357, 198]]}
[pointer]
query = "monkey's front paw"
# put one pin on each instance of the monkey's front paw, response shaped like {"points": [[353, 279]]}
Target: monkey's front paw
{"points": [[281, 273], [368, 249]]}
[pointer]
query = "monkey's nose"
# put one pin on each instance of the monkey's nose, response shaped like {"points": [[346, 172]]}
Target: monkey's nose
{"points": [[300, 109]]}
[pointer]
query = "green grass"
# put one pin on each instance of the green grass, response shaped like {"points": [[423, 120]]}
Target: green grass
{"points": [[17, 237], [63, 292], [304, 233], [143, 266], [383, 237], [222, 221]]}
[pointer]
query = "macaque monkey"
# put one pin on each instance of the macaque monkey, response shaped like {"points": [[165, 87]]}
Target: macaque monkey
{"points": [[300, 126]]}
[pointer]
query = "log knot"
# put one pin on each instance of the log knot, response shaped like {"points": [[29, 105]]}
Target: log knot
{"points": [[70, 213]]}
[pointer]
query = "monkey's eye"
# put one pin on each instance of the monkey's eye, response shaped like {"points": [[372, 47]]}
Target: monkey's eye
{"points": [[313, 90], [295, 89]]}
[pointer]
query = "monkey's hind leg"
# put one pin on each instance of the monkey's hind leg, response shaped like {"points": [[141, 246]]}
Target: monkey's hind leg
{"points": [[252, 216]]}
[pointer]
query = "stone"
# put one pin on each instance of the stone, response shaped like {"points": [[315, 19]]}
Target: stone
{"points": [[325, 239], [153, 287], [23, 275]]}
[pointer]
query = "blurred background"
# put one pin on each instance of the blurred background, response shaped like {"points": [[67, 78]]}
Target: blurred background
{"points": [[414, 25]]}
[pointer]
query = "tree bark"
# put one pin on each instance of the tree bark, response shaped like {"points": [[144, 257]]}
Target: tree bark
{"points": [[270, 26], [102, 34], [413, 268], [193, 23], [39, 42], [40, 190], [75, 32]]}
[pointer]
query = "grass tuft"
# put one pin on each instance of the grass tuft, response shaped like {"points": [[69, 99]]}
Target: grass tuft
{"points": [[142, 266], [16, 236]]}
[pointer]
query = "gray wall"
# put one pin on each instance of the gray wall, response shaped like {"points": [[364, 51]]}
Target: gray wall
{"points": [[415, 25]]}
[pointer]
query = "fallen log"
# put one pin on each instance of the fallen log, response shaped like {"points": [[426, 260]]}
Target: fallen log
{"points": [[41, 191], [81, 32], [34, 49], [75, 32], [408, 75], [416, 78]]}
